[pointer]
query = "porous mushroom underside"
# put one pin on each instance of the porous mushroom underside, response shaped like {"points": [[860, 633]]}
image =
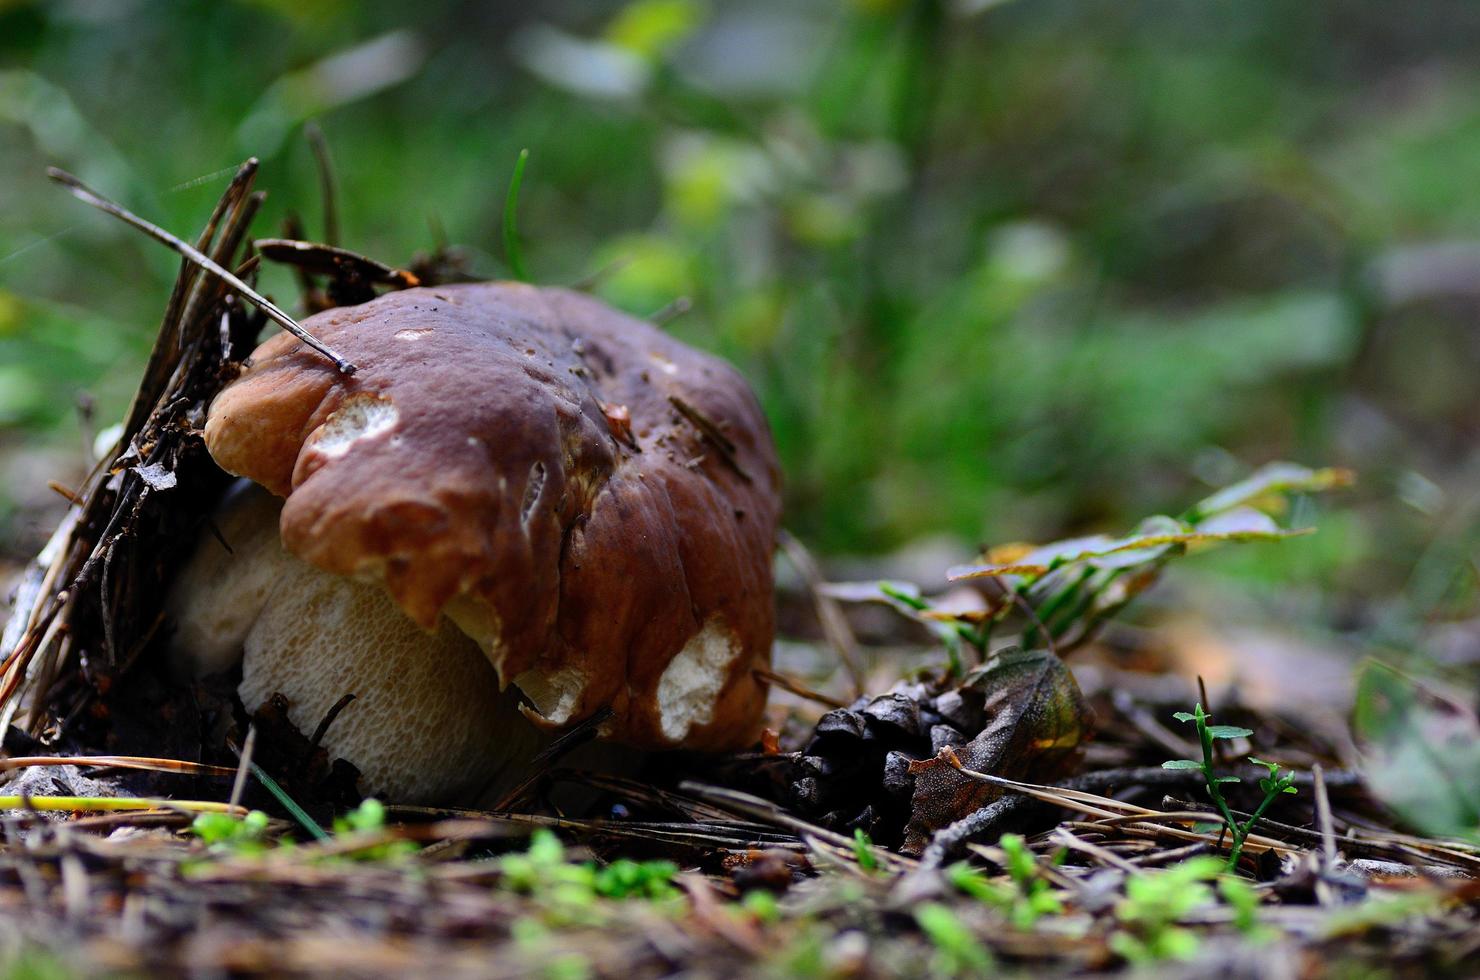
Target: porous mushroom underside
{"points": [[592, 502], [427, 723]]}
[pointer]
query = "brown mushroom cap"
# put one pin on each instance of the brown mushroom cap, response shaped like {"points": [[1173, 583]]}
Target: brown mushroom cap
{"points": [[591, 500]]}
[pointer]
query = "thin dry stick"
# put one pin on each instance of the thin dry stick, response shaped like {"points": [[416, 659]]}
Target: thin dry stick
{"points": [[1151, 827], [712, 432], [672, 311], [20, 659], [1105, 808], [71, 563], [1323, 817], [829, 612], [591, 280], [190, 252], [796, 687], [764, 810], [1032, 614], [244, 766], [1062, 836]]}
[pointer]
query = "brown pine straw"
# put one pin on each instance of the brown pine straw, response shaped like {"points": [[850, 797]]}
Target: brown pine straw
{"points": [[117, 762]]}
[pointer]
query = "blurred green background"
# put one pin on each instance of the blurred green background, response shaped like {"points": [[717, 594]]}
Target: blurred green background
{"points": [[998, 270]]}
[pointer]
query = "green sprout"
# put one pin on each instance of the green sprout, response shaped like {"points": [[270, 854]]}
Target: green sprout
{"points": [[225, 833], [1153, 906], [957, 950], [1241, 897], [863, 851], [543, 871], [1029, 898], [1273, 785], [636, 879], [762, 906], [369, 818]]}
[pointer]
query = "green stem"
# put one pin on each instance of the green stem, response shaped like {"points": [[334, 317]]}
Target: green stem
{"points": [[1241, 832]]}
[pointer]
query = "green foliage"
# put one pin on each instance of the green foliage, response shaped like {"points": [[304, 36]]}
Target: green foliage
{"points": [[513, 254], [1421, 752], [544, 872], [1273, 786], [225, 833], [945, 337], [863, 851], [1153, 906], [33, 964], [636, 879], [651, 28], [1379, 911], [954, 633], [762, 905], [1065, 591], [543, 949], [804, 956], [1241, 897], [1025, 901], [957, 950], [369, 818]]}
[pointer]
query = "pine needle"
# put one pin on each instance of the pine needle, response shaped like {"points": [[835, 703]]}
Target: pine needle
{"points": [[99, 803], [289, 804]]}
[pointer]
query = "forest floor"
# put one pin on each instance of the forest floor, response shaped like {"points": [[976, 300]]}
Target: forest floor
{"points": [[999, 776]]}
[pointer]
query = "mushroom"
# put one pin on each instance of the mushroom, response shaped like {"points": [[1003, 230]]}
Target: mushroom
{"points": [[524, 507]]}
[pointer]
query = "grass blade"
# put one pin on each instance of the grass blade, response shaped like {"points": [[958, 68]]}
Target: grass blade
{"points": [[512, 253]]}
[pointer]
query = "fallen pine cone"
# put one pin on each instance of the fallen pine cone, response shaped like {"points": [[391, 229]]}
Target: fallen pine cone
{"points": [[1020, 716]]}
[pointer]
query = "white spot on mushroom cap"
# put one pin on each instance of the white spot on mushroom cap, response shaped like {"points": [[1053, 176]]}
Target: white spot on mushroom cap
{"points": [[694, 678], [412, 333], [362, 415]]}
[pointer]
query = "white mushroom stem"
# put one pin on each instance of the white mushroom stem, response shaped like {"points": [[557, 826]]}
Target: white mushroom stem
{"points": [[428, 723]]}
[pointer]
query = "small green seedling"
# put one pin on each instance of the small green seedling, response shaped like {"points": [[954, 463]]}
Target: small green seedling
{"points": [[957, 951], [762, 906], [863, 851], [1028, 899], [225, 833], [1153, 906], [368, 818], [1241, 897], [1155, 903], [636, 879], [1273, 785], [544, 872]]}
